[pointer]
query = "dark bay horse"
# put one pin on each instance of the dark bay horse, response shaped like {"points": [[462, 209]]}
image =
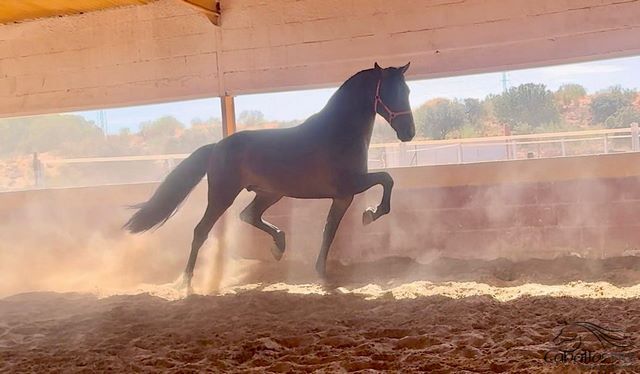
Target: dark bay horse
{"points": [[324, 157]]}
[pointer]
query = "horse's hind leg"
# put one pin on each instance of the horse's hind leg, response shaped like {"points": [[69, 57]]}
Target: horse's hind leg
{"points": [[252, 214], [338, 208], [220, 198]]}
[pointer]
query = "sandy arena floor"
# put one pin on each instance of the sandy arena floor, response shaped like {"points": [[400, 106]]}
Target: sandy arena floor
{"points": [[388, 325]]}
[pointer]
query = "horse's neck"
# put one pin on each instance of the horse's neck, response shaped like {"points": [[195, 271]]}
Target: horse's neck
{"points": [[352, 122], [351, 115]]}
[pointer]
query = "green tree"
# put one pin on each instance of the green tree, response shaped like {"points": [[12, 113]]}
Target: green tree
{"points": [[526, 107], [623, 118], [248, 118], [474, 112], [382, 132], [161, 135], [199, 134], [69, 135], [608, 102], [163, 127], [569, 94], [437, 117]]}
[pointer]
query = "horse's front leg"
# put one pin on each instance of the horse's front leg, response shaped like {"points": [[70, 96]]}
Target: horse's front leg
{"points": [[338, 208], [361, 183]]}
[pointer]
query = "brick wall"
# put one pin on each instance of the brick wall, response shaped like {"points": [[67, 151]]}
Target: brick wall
{"points": [[167, 51]]}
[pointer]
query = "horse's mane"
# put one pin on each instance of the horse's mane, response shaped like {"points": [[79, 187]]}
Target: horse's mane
{"points": [[347, 89]]}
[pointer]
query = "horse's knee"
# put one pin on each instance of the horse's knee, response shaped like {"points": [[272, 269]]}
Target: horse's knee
{"points": [[201, 232], [386, 180]]}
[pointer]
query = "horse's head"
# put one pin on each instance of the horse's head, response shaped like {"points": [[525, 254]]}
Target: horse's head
{"points": [[392, 101]]}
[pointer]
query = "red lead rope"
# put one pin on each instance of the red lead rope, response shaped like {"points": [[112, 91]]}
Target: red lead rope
{"points": [[390, 112]]}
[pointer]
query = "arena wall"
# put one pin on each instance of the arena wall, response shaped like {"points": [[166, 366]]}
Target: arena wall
{"points": [[543, 208]]}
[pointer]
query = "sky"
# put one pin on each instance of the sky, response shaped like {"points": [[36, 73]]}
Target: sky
{"points": [[594, 76]]}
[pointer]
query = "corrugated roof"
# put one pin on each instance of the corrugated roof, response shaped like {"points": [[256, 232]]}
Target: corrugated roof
{"points": [[20, 10]]}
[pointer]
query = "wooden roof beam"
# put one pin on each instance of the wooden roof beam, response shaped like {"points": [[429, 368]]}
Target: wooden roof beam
{"points": [[27, 10], [210, 8]]}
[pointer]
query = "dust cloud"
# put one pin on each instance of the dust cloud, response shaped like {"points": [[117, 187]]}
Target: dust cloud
{"points": [[71, 240]]}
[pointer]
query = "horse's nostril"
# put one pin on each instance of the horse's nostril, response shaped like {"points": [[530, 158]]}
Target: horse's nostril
{"points": [[406, 138]]}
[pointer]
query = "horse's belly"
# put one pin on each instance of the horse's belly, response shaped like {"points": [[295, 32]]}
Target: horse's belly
{"points": [[303, 187], [297, 172], [293, 182]]}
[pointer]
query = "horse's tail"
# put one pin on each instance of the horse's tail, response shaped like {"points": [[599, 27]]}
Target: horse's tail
{"points": [[171, 192]]}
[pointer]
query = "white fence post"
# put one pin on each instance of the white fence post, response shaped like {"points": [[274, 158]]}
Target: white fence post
{"points": [[563, 147], [507, 149], [460, 160], [635, 145], [168, 165], [606, 144], [38, 171], [383, 157]]}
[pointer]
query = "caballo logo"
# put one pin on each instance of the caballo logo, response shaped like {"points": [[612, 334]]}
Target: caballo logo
{"points": [[590, 344]]}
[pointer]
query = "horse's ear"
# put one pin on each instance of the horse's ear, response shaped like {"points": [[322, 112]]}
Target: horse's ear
{"points": [[376, 66], [405, 68]]}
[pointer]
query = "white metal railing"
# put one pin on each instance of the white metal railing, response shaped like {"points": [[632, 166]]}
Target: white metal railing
{"points": [[498, 148], [433, 152]]}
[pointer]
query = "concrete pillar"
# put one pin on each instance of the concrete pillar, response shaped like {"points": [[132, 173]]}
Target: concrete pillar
{"points": [[221, 232], [228, 115]]}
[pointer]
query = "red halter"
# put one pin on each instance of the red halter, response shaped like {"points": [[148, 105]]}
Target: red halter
{"points": [[390, 112]]}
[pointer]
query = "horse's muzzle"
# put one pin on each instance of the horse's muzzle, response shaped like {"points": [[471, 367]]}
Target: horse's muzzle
{"points": [[404, 127], [406, 136]]}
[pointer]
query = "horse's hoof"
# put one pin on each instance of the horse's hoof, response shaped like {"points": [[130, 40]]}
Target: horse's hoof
{"points": [[183, 284], [180, 283], [321, 269], [276, 252], [368, 216]]}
